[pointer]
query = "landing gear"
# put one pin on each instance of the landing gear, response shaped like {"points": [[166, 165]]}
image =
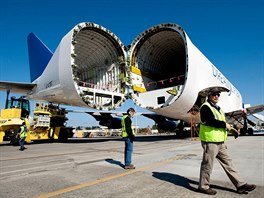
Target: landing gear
{"points": [[248, 131], [245, 130]]}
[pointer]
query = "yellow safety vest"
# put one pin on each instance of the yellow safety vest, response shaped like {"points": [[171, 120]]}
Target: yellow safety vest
{"points": [[212, 134], [23, 132], [124, 133]]}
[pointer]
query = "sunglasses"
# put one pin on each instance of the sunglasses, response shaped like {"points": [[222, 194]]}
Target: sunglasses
{"points": [[216, 94]]}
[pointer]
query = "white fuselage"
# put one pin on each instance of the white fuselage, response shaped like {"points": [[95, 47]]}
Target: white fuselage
{"points": [[87, 67]]}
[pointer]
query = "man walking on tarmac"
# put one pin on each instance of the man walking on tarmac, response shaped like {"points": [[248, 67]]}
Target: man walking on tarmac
{"points": [[128, 135], [22, 136], [213, 134]]}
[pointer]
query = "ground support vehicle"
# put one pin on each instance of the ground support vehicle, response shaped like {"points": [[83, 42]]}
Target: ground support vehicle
{"points": [[49, 121]]}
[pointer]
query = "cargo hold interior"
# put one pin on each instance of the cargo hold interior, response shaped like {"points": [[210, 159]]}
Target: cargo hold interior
{"points": [[160, 57]]}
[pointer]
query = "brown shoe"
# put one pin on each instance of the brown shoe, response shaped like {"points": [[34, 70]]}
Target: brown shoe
{"points": [[246, 188], [130, 167], [208, 191]]}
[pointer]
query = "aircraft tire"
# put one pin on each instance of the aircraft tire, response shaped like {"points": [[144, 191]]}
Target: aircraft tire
{"points": [[63, 136], [250, 131], [14, 140]]}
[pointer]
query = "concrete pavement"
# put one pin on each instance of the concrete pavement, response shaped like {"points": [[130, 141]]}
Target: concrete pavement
{"points": [[165, 167]]}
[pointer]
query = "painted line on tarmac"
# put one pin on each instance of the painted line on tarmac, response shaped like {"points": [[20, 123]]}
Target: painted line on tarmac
{"points": [[41, 156], [128, 172]]}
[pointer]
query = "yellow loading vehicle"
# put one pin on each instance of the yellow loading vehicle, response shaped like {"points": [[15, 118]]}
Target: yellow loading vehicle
{"points": [[49, 121]]}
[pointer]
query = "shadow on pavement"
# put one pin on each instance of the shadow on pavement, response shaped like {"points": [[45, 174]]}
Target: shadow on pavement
{"points": [[185, 182], [112, 161]]}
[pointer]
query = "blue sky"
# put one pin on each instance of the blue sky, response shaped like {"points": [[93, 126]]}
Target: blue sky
{"points": [[229, 33]]}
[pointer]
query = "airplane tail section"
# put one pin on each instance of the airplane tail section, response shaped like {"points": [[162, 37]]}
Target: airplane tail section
{"points": [[39, 55]]}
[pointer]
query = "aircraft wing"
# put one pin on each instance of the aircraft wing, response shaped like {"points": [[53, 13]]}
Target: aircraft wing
{"points": [[17, 87], [99, 115], [112, 119], [258, 116], [237, 116], [162, 122], [255, 109]]}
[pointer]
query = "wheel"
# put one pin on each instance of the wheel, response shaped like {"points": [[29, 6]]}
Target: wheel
{"points": [[63, 136], [242, 132], [14, 139], [250, 131]]}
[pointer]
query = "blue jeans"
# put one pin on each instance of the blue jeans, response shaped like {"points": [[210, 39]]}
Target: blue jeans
{"points": [[21, 143], [128, 151]]}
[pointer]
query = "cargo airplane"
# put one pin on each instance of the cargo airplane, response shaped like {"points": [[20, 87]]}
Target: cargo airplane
{"points": [[161, 70]]}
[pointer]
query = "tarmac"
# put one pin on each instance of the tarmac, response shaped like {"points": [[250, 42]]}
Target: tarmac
{"points": [[93, 167]]}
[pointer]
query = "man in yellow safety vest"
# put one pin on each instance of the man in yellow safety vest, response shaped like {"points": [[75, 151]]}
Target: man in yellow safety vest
{"points": [[213, 134], [22, 136], [128, 135]]}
